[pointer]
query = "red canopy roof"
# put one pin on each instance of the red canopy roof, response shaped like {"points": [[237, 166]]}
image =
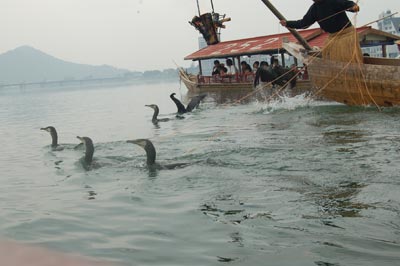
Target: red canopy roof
{"points": [[270, 44], [255, 45]]}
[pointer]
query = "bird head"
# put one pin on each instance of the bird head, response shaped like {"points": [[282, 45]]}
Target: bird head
{"points": [[48, 129], [85, 140], [148, 146], [140, 142], [152, 106]]}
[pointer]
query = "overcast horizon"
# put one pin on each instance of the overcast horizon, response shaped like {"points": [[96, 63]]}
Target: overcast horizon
{"points": [[142, 34]]}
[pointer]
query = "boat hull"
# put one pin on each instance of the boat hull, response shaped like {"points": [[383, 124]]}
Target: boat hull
{"points": [[376, 82], [243, 91]]}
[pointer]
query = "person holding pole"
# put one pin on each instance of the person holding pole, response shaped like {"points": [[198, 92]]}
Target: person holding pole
{"points": [[342, 43]]}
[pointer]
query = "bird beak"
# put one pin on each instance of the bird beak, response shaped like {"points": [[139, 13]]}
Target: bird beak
{"points": [[138, 142], [80, 138]]}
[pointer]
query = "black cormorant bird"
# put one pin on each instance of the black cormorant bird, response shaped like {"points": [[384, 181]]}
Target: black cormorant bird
{"points": [[88, 159], [179, 105], [53, 133], [194, 103], [148, 146], [155, 120]]}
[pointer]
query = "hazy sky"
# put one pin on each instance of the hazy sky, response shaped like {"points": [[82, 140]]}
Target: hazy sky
{"points": [[141, 34]]}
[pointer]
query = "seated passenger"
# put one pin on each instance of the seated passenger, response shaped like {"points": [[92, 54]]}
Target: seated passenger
{"points": [[256, 64], [222, 70], [245, 67], [215, 70], [232, 70]]}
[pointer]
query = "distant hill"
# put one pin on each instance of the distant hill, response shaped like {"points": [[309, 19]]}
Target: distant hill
{"points": [[27, 64]]}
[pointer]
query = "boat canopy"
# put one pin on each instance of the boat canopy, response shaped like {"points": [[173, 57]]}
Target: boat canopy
{"points": [[272, 44]]}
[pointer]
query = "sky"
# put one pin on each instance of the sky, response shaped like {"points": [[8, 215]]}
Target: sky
{"points": [[143, 35]]}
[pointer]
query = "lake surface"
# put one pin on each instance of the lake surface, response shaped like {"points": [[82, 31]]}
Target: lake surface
{"points": [[290, 182]]}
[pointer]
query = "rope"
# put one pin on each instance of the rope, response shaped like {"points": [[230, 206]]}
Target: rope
{"points": [[328, 17], [359, 85], [354, 58]]}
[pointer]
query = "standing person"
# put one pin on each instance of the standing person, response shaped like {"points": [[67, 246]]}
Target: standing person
{"points": [[278, 72], [263, 75], [342, 43]]}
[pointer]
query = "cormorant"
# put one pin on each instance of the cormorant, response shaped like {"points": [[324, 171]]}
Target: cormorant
{"points": [[148, 146], [53, 133], [89, 151], [194, 103], [179, 105], [155, 120]]}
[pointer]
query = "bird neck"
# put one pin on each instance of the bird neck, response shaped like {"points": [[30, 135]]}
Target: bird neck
{"points": [[179, 105], [89, 154], [151, 154], [54, 138], [156, 111]]}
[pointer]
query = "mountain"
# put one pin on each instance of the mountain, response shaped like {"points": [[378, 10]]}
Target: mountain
{"points": [[27, 64]]}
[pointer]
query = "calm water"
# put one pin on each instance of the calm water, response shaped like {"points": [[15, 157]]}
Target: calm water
{"points": [[286, 183]]}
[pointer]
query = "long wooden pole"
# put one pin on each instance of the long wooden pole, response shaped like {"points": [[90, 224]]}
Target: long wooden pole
{"points": [[391, 15], [278, 14]]}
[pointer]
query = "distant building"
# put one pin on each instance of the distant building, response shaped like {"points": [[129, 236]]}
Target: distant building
{"points": [[389, 25]]}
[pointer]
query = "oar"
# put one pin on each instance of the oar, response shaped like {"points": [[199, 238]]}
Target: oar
{"points": [[278, 14]]}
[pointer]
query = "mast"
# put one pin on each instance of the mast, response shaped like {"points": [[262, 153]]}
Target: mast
{"points": [[212, 6], [198, 7], [295, 33]]}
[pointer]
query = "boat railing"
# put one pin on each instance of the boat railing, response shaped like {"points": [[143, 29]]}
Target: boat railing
{"points": [[238, 78]]}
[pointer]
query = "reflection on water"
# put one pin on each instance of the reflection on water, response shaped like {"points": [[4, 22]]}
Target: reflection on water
{"points": [[344, 136], [339, 201], [288, 182]]}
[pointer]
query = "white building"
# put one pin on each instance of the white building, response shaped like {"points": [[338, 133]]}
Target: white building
{"points": [[389, 25]]}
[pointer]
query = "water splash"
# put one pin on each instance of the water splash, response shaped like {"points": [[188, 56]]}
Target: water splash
{"points": [[290, 103]]}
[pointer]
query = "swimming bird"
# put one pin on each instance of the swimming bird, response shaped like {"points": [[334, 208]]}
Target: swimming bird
{"points": [[179, 105], [148, 146], [194, 103], [53, 133], [88, 159], [155, 120]]}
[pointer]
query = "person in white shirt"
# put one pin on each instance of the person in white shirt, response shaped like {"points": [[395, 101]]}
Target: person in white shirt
{"points": [[232, 70]]}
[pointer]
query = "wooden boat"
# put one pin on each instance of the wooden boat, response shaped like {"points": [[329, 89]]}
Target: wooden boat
{"points": [[375, 81], [236, 50], [238, 89], [209, 25]]}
